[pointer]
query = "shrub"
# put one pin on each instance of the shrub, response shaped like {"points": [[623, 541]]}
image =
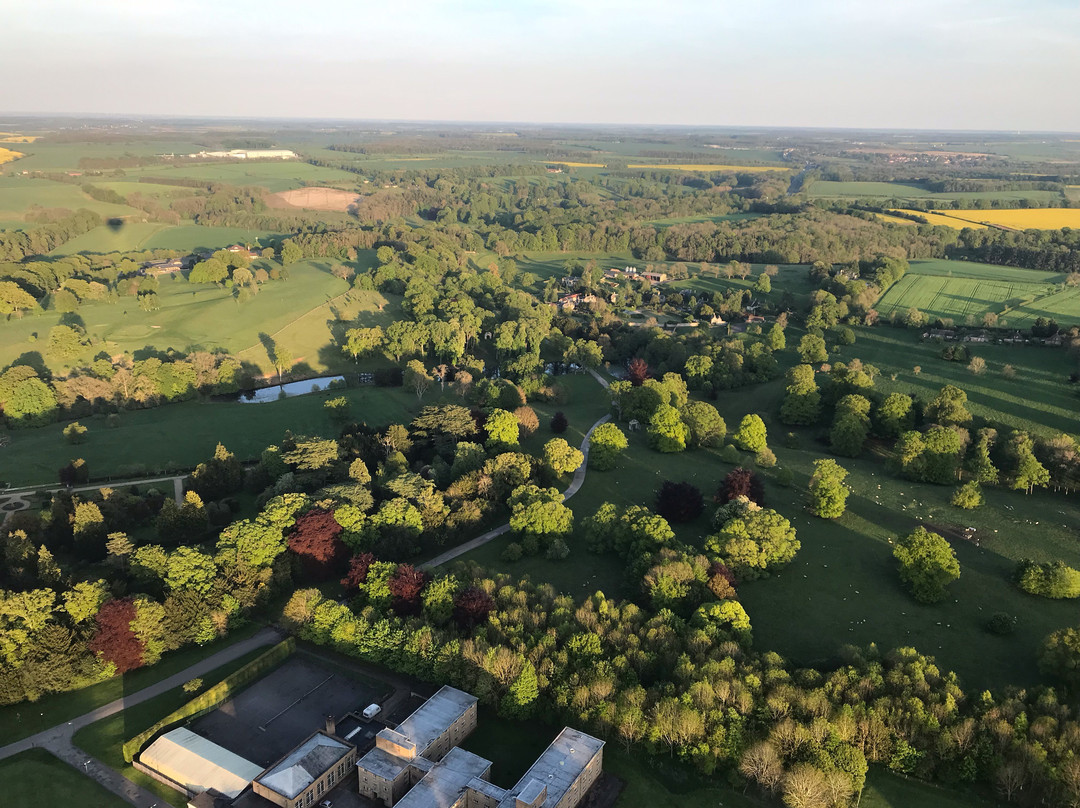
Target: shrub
{"points": [[193, 685], [513, 552], [783, 476], [729, 454], [679, 502], [968, 496], [558, 550], [559, 423], [75, 432], [765, 459], [1053, 579], [1001, 624]]}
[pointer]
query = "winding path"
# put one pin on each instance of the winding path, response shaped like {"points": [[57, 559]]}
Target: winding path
{"points": [[575, 485], [20, 496], [58, 739]]}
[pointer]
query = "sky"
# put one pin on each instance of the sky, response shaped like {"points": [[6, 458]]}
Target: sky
{"points": [[911, 64]]}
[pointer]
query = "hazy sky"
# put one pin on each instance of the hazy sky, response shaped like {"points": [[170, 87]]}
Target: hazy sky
{"points": [[974, 64]]}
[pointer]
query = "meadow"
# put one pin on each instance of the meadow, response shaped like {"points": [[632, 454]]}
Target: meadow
{"points": [[19, 194], [36, 778], [962, 290], [140, 236], [275, 176], [298, 312], [43, 155]]}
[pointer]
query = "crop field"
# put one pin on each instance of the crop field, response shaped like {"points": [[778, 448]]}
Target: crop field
{"points": [[938, 218], [676, 166], [276, 176], [18, 194], [7, 155], [207, 317], [191, 237], [128, 237], [958, 290], [46, 156], [126, 187], [1024, 219]]}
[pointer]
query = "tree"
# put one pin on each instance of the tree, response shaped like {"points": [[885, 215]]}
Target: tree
{"points": [[707, 428], [64, 342], [751, 435], [75, 432], [679, 502], [637, 371], [527, 420], [522, 694], [540, 513], [502, 430], [851, 425], [1053, 579], [417, 378], [311, 454], [804, 786], [212, 270], [666, 430], [14, 300], [363, 341], [561, 457], [754, 542], [762, 764], [316, 539], [83, 601], [949, 407], [559, 423], [1060, 656], [979, 465], [741, 482], [472, 607], [189, 569], [802, 401], [1028, 472], [218, 477], [406, 585], [828, 492], [763, 284], [927, 564], [977, 365], [283, 360], [894, 415], [812, 349], [290, 252], [606, 444], [114, 641]]}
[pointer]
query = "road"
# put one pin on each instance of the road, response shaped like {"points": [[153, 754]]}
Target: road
{"points": [[58, 739], [575, 485]]}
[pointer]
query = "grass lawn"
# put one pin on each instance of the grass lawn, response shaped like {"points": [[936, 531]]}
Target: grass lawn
{"points": [[128, 237], [192, 237], [179, 436], [282, 175], [35, 778], [18, 194], [22, 720], [104, 739]]}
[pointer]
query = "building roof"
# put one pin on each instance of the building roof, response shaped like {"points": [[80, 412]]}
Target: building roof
{"points": [[198, 764], [383, 764], [443, 786], [557, 769], [303, 765], [432, 718]]}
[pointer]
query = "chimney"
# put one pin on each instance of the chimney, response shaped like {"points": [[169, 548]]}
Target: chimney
{"points": [[331, 725]]}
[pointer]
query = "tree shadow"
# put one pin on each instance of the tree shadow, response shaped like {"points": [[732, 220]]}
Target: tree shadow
{"points": [[269, 345], [73, 320], [35, 360]]}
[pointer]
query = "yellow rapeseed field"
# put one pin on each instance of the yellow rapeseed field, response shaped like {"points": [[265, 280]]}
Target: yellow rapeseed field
{"points": [[894, 219], [1023, 219], [11, 137], [7, 155], [947, 220]]}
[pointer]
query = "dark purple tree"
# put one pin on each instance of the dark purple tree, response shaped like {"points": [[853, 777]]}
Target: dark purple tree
{"points": [[679, 502], [741, 482], [472, 607]]}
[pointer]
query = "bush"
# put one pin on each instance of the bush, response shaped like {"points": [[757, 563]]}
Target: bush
{"points": [[927, 564], [792, 441], [193, 685], [75, 432], [558, 550], [559, 423], [968, 496], [729, 454], [765, 459], [513, 552], [783, 476], [1002, 624]]}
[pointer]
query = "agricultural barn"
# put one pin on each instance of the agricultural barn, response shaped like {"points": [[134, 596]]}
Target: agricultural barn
{"points": [[193, 764]]}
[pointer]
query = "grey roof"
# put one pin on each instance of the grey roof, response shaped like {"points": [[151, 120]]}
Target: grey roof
{"points": [[432, 718], [448, 779], [304, 765], [382, 764], [557, 769]]}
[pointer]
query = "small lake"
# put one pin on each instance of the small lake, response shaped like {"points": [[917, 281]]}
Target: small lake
{"points": [[288, 390]]}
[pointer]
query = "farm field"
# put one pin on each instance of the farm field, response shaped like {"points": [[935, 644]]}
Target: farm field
{"points": [[45, 156], [128, 237], [936, 218], [274, 176], [18, 194], [207, 317], [958, 290], [1025, 219], [730, 217], [191, 237], [8, 155], [126, 187], [709, 167], [905, 190]]}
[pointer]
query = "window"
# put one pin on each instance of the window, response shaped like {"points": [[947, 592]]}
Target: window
{"points": [[319, 787]]}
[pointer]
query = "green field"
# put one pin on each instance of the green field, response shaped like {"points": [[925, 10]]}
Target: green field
{"points": [[191, 237], [297, 312], [903, 190], [126, 187], [958, 290], [127, 237], [274, 176], [35, 779], [730, 217], [18, 194]]}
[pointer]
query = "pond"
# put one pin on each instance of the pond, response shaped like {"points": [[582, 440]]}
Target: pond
{"points": [[289, 390]]}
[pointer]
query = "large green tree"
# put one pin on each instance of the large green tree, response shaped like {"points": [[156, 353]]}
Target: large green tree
{"points": [[927, 564]]}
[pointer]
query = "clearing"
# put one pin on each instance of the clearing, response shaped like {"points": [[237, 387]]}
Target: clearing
{"points": [[317, 198]]}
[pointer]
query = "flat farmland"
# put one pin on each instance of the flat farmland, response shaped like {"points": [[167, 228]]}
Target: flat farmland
{"points": [[18, 194], [128, 237], [942, 219], [277, 176], [905, 190], [957, 290], [45, 156], [193, 237], [1023, 219]]}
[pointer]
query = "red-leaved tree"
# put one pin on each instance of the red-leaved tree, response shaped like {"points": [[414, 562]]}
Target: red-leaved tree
{"points": [[114, 639], [406, 584], [722, 581], [679, 502], [357, 574], [316, 540], [472, 607], [638, 370], [741, 482]]}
